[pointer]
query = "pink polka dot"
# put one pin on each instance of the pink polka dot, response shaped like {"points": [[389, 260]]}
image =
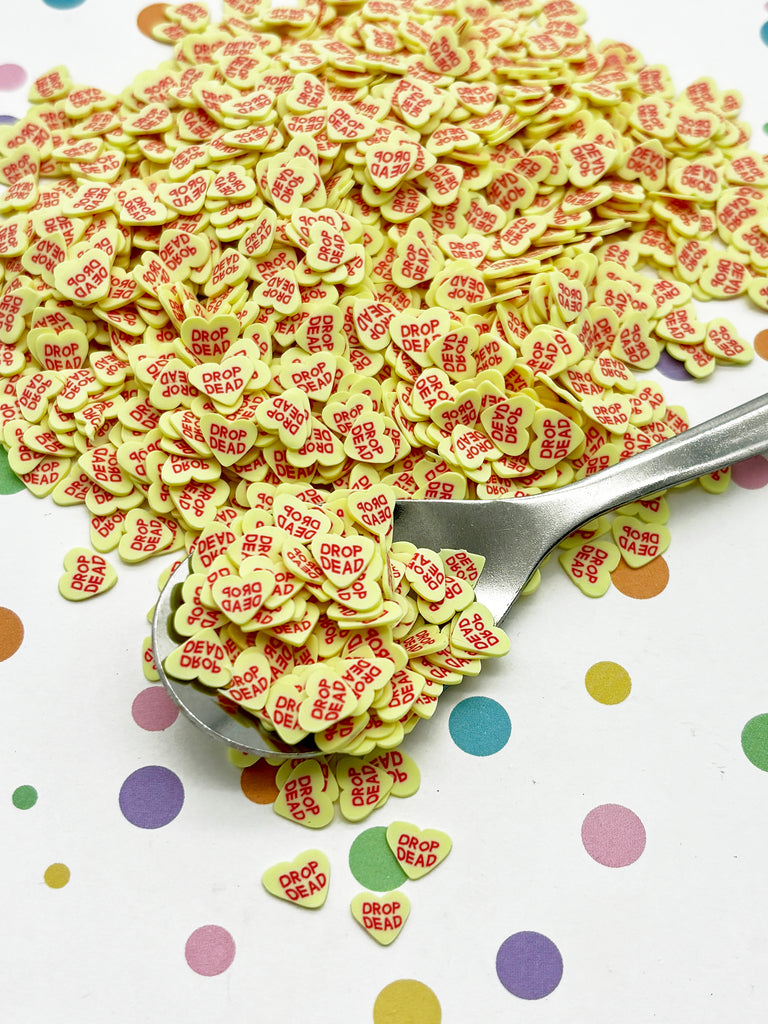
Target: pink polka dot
{"points": [[210, 950], [751, 473], [12, 76], [613, 835], [154, 710]]}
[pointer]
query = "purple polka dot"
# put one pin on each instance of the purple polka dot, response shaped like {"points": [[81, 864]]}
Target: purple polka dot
{"points": [[672, 368], [12, 76], [529, 965], [751, 473], [210, 950], [154, 710], [151, 797], [613, 835]]}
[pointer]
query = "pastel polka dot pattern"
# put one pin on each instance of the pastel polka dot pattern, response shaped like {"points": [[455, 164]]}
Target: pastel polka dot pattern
{"points": [[754, 741], [258, 783], [11, 633], [151, 797], [407, 1002], [671, 368], [56, 876], [529, 965], [24, 797], [751, 474], [63, 5], [153, 709], [372, 862], [607, 682], [647, 581], [479, 726], [760, 344], [12, 76], [210, 950], [149, 17], [9, 482], [613, 835]]}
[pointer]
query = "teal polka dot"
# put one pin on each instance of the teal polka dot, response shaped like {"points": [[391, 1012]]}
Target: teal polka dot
{"points": [[24, 797], [372, 862], [63, 5], [479, 726]]}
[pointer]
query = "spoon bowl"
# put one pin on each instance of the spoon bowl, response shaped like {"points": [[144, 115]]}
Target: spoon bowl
{"points": [[513, 535]]}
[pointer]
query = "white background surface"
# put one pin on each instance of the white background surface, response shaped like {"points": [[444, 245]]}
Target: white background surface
{"points": [[682, 935]]}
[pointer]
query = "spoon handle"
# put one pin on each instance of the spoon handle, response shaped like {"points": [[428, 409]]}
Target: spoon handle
{"points": [[715, 444]]}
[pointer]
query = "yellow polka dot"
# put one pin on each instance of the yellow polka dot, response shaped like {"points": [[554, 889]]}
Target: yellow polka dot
{"points": [[56, 876], [608, 683], [407, 1002]]}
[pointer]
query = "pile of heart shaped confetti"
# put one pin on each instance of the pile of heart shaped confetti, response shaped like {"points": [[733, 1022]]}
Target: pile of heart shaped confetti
{"points": [[306, 615], [432, 245]]}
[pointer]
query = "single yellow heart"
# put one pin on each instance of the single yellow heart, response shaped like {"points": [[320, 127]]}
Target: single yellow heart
{"points": [[382, 915], [418, 851], [303, 881], [86, 575]]}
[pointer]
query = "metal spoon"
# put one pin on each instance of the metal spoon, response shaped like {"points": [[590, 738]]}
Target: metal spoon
{"points": [[513, 534]]}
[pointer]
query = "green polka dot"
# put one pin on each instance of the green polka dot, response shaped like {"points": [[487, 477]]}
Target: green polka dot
{"points": [[754, 741], [24, 797], [9, 482], [372, 862]]}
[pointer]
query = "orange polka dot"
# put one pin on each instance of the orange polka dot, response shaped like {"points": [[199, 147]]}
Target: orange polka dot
{"points": [[647, 581], [150, 17], [761, 344], [11, 633], [258, 782]]}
